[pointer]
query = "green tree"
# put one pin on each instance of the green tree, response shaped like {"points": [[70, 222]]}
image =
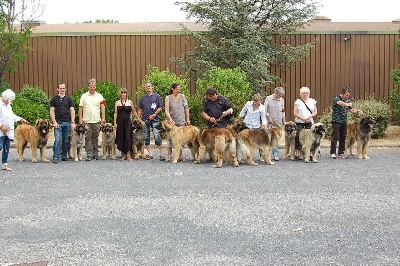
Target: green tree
{"points": [[394, 97], [13, 36], [251, 34]]}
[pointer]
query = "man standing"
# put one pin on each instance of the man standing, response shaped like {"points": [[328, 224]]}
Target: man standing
{"points": [[275, 112], [340, 108], [62, 114], [90, 105], [217, 110], [150, 107]]}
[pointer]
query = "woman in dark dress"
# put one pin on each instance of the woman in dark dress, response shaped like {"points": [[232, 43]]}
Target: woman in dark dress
{"points": [[123, 123]]}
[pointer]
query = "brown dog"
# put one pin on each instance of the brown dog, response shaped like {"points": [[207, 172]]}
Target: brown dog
{"points": [[290, 136], [138, 139], [220, 140], [108, 140], [361, 132], [37, 136], [76, 141], [310, 140], [261, 139]]}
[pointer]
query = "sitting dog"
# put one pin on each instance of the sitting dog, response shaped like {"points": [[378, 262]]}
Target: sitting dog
{"points": [[310, 140], [359, 132], [37, 136], [180, 136], [290, 136], [76, 141], [108, 140], [138, 137]]}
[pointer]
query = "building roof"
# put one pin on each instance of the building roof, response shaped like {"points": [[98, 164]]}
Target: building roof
{"points": [[320, 25]]}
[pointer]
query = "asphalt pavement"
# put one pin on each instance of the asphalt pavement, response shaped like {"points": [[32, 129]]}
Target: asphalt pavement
{"points": [[148, 212]]}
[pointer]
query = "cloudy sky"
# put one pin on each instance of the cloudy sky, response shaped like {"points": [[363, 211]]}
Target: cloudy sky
{"points": [[71, 11]]}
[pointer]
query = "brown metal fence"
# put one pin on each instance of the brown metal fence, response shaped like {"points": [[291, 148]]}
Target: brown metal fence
{"points": [[360, 61]]}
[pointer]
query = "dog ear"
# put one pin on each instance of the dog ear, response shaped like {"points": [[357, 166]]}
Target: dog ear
{"points": [[102, 127], [37, 122]]}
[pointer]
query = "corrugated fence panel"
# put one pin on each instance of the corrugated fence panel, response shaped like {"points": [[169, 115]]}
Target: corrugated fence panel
{"points": [[360, 61]]}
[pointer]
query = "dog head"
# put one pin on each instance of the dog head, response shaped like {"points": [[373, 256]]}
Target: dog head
{"points": [[80, 130], [290, 127], [107, 128], [367, 123], [276, 132], [319, 129], [167, 125], [43, 126], [160, 128], [137, 125], [238, 126]]}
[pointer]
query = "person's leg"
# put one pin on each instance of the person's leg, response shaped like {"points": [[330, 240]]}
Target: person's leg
{"points": [[6, 151], [89, 142], [66, 132], [334, 138], [169, 150], [342, 138], [57, 141], [299, 126], [147, 138], [157, 139], [275, 153], [95, 139]]}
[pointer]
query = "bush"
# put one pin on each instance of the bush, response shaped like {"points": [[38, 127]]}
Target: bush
{"points": [[31, 103], [4, 86], [110, 94], [394, 99], [230, 83], [162, 81], [380, 111]]}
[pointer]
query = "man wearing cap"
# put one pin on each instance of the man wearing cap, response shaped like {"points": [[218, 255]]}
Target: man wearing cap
{"points": [[217, 110]]}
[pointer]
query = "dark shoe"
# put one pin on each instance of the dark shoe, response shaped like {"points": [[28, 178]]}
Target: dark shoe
{"points": [[162, 158], [64, 159], [55, 161], [88, 159], [95, 157], [149, 157]]}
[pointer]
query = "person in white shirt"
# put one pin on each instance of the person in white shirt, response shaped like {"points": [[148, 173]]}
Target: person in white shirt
{"points": [[255, 113], [275, 111], [7, 120]]}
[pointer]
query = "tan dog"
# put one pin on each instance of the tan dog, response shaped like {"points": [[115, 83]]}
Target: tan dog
{"points": [[138, 139], [310, 140], [180, 136], [108, 141], [290, 136], [361, 132], [261, 139], [37, 136], [220, 140], [76, 141]]}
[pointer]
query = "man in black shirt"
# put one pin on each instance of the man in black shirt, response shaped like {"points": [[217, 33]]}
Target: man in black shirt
{"points": [[62, 114], [217, 110]]}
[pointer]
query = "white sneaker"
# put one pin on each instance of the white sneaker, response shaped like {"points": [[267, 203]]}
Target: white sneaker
{"points": [[276, 158], [333, 156]]}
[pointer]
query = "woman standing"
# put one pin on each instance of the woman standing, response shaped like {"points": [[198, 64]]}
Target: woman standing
{"points": [[123, 123], [7, 120], [255, 113], [305, 109], [177, 111]]}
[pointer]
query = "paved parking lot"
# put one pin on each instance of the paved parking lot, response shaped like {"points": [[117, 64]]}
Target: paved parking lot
{"points": [[335, 212]]}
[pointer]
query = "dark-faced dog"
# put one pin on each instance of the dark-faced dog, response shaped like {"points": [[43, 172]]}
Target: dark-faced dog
{"points": [[108, 140], [76, 141], [138, 139], [359, 132], [310, 140], [290, 136]]}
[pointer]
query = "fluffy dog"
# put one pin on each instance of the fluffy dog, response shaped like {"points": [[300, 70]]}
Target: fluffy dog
{"points": [[138, 139], [261, 139], [76, 141], [310, 140], [290, 135], [361, 132], [108, 140], [220, 140], [180, 136], [238, 126], [37, 136]]}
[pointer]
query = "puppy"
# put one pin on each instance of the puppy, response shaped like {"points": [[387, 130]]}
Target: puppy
{"points": [[37, 136], [290, 136], [108, 141]]}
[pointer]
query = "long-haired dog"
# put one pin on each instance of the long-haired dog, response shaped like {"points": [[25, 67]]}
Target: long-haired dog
{"points": [[77, 139], [258, 138], [290, 136], [359, 132], [138, 139], [310, 140], [108, 141]]}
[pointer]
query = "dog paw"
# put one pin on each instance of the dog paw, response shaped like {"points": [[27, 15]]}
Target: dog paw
{"points": [[254, 164], [46, 161], [174, 162], [34, 161]]}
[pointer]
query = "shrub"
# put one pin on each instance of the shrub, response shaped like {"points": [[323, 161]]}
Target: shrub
{"points": [[110, 94], [31, 103], [230, 83], [394, 99], [162, 81], [380, 111], [4, 86]]}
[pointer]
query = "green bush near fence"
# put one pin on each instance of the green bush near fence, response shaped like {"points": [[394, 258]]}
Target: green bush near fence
{"points": [[380, 111]]}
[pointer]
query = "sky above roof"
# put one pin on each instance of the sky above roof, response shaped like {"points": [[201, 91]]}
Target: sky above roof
{"points": [[125, 11]]}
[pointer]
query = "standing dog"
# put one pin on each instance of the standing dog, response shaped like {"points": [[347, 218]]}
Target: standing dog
{"points": [[138, 139], [108, 140], [76, 141], [37, 136], [310, 140], [180, 136], [258, 138], [361, 132], [220, 140], [290, 136]]}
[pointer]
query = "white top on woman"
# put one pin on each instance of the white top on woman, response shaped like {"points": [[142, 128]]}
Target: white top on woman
{"points": [[254, 117]]}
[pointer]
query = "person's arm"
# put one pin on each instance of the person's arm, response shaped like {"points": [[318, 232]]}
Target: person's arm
{"points": [[53, 117], [72, 112], [283, 112], [263, 118], [267, 114], [356, 111], [186, 108], [243, 112], [103, 112], [167, 114], [115, 114], [80, 114]]}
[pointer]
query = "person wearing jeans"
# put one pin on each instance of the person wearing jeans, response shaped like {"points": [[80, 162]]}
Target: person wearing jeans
{"points": [[62, 114]]}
